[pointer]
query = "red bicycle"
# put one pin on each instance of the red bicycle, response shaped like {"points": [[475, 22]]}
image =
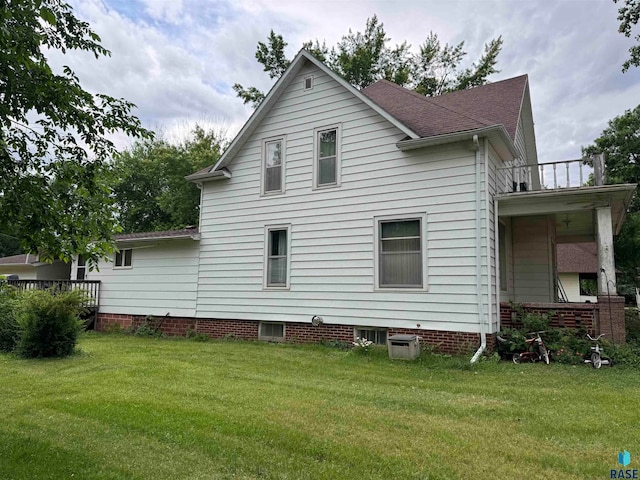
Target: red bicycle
{"points": [[537, 350]]}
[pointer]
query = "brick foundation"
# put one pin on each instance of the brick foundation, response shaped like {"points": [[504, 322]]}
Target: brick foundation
{"points": [[565, 315], [443, 341]]}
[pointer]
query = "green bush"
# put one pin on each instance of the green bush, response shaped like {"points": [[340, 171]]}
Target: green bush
{"points": [[8, 321], [49, 323], [632, 324]]}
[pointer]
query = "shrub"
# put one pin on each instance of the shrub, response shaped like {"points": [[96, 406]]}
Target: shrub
{"points": [[49, 323], [632, 324], [8, 322]]}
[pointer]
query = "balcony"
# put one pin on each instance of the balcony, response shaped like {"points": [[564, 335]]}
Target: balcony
{"points": [[520, 177]]}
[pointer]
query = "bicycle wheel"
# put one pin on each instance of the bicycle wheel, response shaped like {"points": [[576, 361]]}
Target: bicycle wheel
{"points": [[516, 358], [596, 360]]}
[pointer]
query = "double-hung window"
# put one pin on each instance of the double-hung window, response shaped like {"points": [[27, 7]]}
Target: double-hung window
{"points": [[401, 253], [273, 166], [327, 157], [123, 258], [277, 256], [81, 268]]}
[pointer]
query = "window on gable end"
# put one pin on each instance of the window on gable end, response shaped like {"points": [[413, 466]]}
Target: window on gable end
{"points": [[327, 157], [273, 166]]}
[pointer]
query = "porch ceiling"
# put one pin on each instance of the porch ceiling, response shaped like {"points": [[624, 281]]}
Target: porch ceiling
{"points": [[573, 207]]}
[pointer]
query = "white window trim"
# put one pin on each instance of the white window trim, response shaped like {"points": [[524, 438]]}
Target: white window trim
{"points": [[272, 339], [263, 168], [423, 244], [304, 83], [122, 267], [265, 273], [316, 158]]}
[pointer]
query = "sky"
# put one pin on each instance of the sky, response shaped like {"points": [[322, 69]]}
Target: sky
{"points": [[177, 60]]}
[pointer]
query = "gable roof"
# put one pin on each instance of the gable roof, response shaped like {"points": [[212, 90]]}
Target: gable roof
{"points": [[272, 97], [577, 258], [488, 105]]}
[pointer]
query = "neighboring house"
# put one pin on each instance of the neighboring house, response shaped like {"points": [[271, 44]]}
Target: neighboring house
{"points": [[29, 267], [338, 213], [578, 271]]}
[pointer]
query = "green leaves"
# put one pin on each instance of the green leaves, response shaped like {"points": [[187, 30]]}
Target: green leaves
{"points": [[364, 58], [54, 135], [628, 15], [149, 188]]}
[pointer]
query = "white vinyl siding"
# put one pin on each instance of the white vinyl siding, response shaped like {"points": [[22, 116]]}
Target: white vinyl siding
{"points": [[162, 281], [333, 234]]}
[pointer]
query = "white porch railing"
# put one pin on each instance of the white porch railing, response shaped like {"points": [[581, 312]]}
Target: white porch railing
{"points": [[518, 177]]}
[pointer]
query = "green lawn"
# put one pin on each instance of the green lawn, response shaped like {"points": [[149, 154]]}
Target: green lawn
{"points": [[137, 408]]}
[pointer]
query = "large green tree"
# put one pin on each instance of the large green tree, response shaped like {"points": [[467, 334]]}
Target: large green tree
{"points": [[628, 15], [620, 142], [364, 58], [150, 191], [54, 135]]}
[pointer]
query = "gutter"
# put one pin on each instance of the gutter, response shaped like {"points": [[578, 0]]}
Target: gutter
{"points": [[499, 130], [221, 174], [192, 236], [483, 335]]}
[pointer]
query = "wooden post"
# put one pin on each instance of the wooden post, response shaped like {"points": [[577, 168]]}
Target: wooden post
{"points": [[606, 264], [598, 169]]}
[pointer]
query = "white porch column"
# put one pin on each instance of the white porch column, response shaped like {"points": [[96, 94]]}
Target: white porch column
{"points": [[605, 252]]}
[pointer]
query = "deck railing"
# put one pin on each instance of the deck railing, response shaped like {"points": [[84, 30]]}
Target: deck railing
{"points": [[91, 287], [518, 177]]}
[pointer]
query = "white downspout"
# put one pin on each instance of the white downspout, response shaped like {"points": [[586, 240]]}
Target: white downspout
{"points": [[483, 335]]}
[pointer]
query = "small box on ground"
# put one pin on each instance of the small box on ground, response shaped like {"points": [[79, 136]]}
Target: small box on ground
{"points": [[405, 347]]}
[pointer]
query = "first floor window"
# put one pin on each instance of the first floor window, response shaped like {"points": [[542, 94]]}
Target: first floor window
{"points": [[277, 256], [400, 253], [123, 258], [81, 269], [588, 284]]}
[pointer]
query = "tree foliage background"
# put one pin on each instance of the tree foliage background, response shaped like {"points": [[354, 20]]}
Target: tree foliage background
{"points": [[149, 190], [364, 58], [54, 135], [628, 15], [620, 142]]}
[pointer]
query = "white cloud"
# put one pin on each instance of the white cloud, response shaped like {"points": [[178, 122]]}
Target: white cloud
{"points": [[177, 60]]}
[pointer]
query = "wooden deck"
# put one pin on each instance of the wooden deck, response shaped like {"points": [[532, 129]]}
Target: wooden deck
{"points": [[91, 287]]}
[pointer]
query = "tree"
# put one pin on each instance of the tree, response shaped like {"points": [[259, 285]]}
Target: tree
{"points": [[628, 15], [364, 58], [54, 187], [150, 191], [620, 142]]}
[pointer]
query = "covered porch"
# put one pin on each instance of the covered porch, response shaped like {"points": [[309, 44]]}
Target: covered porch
{"points": [[534, 217]]}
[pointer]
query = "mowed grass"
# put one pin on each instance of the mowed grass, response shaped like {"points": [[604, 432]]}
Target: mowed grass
{"points": [[139, 408]]}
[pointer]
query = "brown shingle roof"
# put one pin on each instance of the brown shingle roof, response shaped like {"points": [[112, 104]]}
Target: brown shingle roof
{"points": [[185, 232], [577, 258], [18, 259], [487, 105]]}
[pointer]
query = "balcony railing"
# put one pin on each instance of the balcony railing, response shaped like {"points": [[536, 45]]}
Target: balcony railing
{"points": [[518, 177]]}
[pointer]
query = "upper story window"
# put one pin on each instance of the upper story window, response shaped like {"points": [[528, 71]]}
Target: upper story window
{"points": [[273, 166], [327, 157], [401, 252], [123, 258]]}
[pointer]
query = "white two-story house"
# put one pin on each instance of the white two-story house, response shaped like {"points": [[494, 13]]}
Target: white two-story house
{"points": [[337, 213]]}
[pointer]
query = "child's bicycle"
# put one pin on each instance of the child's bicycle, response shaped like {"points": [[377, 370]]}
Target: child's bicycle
{"points": [[532, 355], [598, 358]]}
